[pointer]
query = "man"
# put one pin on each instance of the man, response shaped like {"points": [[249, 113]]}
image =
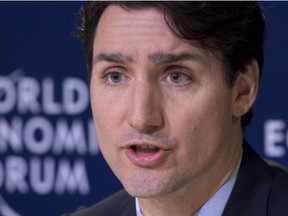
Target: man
{"points": [[172, 85]]}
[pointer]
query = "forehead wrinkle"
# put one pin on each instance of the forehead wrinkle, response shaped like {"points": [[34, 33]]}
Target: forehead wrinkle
{"points": [[166, 58], [116, 57]]}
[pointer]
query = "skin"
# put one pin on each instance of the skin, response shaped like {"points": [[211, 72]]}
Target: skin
{"points": [[182, 105]]}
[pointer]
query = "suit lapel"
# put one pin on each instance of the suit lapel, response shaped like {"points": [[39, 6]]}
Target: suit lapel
{"points": [[129, 208], [249, 196]]}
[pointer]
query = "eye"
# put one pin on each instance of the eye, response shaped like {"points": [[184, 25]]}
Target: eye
{"points": [[115, 77], [177, 78]]}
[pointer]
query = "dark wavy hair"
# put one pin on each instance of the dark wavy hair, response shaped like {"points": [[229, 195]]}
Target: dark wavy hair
{"points": [[236, 30]]}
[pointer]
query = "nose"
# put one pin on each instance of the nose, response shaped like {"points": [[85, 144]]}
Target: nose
{"points": [[145, 113]]}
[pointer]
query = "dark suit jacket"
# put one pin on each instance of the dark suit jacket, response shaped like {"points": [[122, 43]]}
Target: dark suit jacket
{"points": [[260, 190]]}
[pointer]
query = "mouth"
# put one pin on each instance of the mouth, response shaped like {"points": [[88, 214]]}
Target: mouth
{"points": [[146, 155], [142, 149]]}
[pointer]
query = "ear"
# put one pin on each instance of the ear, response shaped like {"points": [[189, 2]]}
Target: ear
{"points": [[245, 89]]}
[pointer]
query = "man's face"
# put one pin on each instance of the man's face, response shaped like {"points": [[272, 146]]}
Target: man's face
{"points": [[162, 109]]}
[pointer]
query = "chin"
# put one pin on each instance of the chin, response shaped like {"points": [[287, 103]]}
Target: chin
{"points": [[144, 193], [149, 188]]}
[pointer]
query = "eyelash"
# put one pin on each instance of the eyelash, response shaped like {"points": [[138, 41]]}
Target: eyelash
{"points": [[181, 82], [122, 76], [108, 74]]}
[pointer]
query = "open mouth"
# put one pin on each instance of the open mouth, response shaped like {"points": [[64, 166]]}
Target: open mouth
{"points": [[145, 149], [146, 155]]}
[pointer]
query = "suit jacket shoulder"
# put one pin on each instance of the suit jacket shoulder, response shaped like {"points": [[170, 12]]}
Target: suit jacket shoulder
{"points": [[260, 189], [278, 196], [120, 204]]}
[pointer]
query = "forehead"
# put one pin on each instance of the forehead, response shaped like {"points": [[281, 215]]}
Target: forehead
{"points": [[117, 21], [140, 32]]}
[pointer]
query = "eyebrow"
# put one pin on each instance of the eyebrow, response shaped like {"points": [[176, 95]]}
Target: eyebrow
{"points": [[112, 57], [156, 58], [166, 58]]}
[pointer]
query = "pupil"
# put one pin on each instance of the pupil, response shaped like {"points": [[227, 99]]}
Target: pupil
{"points": [[175, 77], [115, 77]]}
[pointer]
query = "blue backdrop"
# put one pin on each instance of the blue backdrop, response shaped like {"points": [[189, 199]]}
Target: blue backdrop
{"points": [[49, 158]]}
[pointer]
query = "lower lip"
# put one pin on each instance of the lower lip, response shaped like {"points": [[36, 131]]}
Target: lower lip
{"points": [[146, 159]]}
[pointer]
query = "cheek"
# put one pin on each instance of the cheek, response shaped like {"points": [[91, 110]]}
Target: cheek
{"points": [[199, 144], [200, 124], [100, 113], [103, 109], [108, 105], [196, 115], [105, 131], [108, 115]]}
